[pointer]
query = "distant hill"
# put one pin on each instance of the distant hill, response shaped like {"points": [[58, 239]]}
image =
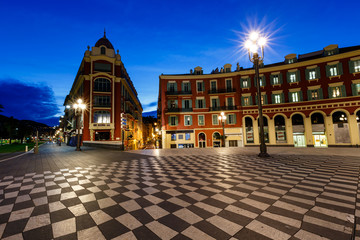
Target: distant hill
{"points": [[150, 114]]}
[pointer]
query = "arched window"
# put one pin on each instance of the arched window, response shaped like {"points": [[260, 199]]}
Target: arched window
{"points": [[102, 85], [101, 117], [102, 50]]}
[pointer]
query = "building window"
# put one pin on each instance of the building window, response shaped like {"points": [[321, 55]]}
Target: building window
{"points": [[187, 120], [213, 85], [276, 79], [187, 136], [312, 74], [187, 104], [357, 66], [201, 120], [186, 87], [230, 102], [314, 95], [246, 101], [102, 67], [356, 89], [173, 137], [333, 71], [277, 98], [262, 100], [294, 97], [215, 120], [228, 85], [200, 86], [172, 87], [200, 103], [215, 102], [173, 121], [231, 119], [102, 50], [245, 83], [292, 77], [102, 101], [180, 136], [336, 92], [102, 85], [101, 117]]}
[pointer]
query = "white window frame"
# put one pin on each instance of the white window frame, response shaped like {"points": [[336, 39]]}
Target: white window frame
{"points": [[246, 101], [276, 79], [186, 120], [312, 74], [333, 70], [215, 116], [197, 87], [357, 66], [295, 97], [231, 116], [292, 77], [277, 98], [245, 80], [203, 117], [172, 117]]}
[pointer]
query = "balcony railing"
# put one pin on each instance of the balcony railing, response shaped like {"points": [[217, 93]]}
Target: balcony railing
{"points": [[224, 90], [178, 92], [222, 108], [179, 110]]}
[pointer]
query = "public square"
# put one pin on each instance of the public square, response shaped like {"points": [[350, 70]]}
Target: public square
{"points": [[224, 193]]}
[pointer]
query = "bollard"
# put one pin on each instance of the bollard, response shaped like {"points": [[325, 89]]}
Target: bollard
{"points": [[26, 148]]}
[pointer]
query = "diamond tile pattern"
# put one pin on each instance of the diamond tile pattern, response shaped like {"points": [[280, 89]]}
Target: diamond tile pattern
{"points": [[186, 197]]}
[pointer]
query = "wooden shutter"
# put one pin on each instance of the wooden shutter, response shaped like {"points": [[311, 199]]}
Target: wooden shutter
{"points": [[351, 67], [307, 71], [317, 72], [340, 68], [343, 91]]}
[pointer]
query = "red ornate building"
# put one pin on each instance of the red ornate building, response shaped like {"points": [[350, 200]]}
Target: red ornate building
{"points": [[309, 100]]}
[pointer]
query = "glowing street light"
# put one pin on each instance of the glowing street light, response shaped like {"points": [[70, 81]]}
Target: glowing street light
{"points": [[256, 56], [79, 107], [222, 119]]}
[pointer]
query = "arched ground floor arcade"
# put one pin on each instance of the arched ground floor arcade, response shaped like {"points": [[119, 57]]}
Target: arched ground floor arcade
{"points": [[317, 128]]}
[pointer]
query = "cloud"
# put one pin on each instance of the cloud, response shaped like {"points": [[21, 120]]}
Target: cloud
{"points": [[27, 101], [150, 105]]}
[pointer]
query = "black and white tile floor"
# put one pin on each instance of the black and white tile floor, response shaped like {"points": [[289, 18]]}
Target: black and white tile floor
{"points": [[184, 197]]}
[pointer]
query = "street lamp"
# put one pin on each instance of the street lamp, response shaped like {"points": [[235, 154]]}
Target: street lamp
{"points": [[79, 107], [253, 44], [222, 119]]}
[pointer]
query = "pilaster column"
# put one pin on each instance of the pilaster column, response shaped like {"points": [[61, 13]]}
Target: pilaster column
{"points": [[354, 130], [308, 132], [256, 132], [271, 127], [289, 131], [329, 130]]}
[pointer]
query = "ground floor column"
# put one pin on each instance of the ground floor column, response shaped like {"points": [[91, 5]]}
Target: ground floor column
{"points": [[256, 132], [271, 127], [354, 130], [289, 131], [308, 132], [329, 130]]}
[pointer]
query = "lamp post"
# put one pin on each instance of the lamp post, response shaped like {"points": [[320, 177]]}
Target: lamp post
{"points": [[253, 44], [222, 119], [79, 107]]}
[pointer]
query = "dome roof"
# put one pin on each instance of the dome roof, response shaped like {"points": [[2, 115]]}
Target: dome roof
{"points": [[104, 41]]}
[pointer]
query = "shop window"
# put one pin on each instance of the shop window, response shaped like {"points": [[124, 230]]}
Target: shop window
{"points": [[187, 136], [173, 137]]}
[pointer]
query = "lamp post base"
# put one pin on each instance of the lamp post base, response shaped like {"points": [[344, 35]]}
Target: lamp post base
{"points": [[263, 155]]}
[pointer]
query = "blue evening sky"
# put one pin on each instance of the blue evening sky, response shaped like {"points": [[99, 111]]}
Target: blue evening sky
{"points": [[43, 42]]}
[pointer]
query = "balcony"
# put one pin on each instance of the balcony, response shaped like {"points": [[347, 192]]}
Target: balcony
{"points": [[222, 108], [178, 92], [224, 90], [105, 105], [179, 110]]}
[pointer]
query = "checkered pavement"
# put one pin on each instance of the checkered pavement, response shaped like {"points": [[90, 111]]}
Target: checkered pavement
{"points": [[185, 197]]}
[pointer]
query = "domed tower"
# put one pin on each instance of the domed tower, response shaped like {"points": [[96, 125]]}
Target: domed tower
{"points": [[104, 84]]}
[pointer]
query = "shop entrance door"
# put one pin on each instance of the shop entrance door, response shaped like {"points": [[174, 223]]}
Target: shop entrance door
{"points": [[299, 141], [319, 140]]}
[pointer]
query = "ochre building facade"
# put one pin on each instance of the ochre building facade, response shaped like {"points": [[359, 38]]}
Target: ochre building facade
{"points": [[309, 100]]}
